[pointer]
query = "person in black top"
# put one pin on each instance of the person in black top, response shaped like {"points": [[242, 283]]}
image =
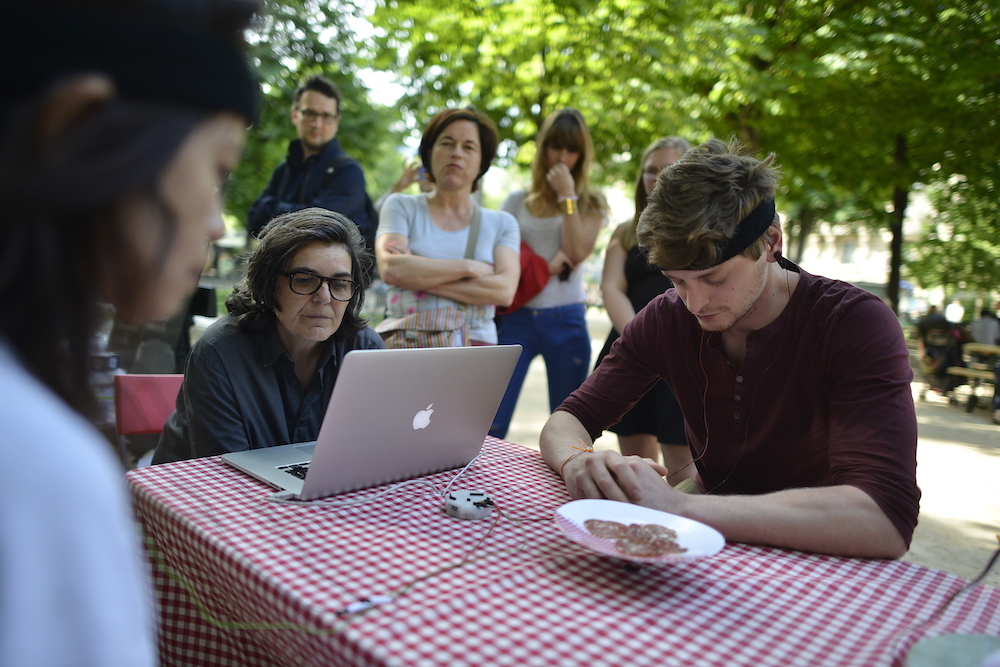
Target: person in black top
{"points": [[655, 425]]}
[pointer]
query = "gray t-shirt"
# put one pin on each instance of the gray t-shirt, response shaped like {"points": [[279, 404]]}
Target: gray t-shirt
{"points": [[544, 235], [985, 330], [409, 216]]}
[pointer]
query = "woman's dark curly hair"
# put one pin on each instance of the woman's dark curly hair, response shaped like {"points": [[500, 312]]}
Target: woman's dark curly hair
{"points": [[254, 300]]}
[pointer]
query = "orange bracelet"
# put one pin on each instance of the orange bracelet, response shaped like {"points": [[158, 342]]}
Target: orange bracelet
{"points": [[573, 456]]}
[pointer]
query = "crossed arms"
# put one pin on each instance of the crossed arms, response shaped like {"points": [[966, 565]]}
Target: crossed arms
{"points": [[464, 280]]}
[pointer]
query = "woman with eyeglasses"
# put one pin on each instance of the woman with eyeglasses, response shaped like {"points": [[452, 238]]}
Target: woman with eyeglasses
{"points": [[655, 425], [263, 374]]}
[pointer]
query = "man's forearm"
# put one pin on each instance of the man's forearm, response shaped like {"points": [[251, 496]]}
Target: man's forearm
{"points": [[562, 436], [837, 520]]}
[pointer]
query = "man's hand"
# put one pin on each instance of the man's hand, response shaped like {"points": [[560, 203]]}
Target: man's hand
{"points": [[839, 520], [608, 474]]}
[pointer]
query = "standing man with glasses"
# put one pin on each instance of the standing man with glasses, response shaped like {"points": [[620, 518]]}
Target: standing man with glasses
{"points": [[317, 171], [263, 374]]}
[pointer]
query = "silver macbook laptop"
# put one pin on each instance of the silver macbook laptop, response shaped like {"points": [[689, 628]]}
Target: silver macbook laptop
{"points": [[393, 415]]}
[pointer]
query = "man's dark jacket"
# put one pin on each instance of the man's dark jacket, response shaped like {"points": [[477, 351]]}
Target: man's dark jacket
{"points": [[329, 180]]}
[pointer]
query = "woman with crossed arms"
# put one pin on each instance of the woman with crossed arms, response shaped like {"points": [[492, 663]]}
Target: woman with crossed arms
{"points": [[422, 239]]}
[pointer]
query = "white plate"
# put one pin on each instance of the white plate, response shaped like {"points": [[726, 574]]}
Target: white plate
{"points": [[699, 540]]}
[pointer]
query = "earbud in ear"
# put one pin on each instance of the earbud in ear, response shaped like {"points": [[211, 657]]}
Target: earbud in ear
{"points": [[786, 264]]}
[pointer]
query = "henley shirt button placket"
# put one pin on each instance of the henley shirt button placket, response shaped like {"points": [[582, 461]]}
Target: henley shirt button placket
{"points": [[737, 397]]}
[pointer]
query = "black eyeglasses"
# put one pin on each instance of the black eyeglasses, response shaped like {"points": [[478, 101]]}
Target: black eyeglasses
{"points": [[306, 284], [310, 115]]}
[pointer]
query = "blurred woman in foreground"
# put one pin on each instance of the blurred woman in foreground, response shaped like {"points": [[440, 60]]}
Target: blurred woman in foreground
{"points": [[118, 127]]}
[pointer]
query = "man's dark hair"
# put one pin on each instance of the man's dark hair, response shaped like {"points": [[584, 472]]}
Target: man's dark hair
{"points": [[489, 138], [320, 84], [66, 240], [254, 300]]}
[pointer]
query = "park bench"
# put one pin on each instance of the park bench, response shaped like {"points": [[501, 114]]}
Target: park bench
{"points": [[976, 374]]}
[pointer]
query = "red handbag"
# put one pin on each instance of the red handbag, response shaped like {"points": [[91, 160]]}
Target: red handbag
{"points": [[534, 278]]}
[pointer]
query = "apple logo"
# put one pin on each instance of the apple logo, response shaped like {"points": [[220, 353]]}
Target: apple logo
{"points": [[423, 418]]}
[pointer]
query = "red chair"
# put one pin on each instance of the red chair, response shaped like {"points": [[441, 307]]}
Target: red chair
{"points": [[142, 405]]}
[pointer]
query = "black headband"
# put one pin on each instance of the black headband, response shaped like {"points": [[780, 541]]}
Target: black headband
{"points": [[148, 58], [749, 230]]}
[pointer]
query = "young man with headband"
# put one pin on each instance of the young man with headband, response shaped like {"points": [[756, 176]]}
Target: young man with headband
{"points": [[795, 388]]}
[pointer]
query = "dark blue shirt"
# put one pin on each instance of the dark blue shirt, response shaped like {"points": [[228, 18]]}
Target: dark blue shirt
{"points": [[240, 392], [327, 180]]}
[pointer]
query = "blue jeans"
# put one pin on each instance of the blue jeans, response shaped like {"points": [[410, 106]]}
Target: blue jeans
{"points": [[560, 335]]}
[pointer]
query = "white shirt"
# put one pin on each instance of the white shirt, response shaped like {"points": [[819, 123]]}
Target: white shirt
{"points": [[73, 589], [544, 235], [985, 330]]}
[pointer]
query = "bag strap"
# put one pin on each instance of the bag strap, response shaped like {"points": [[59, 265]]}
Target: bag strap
{"points": [[470, 246]]}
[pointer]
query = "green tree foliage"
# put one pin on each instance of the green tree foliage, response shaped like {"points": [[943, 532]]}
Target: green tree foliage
{"points": [[960, 249], [520, 60], [293, 39], [860, 100]]}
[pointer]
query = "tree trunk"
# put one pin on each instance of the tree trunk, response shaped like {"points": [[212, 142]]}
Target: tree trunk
{"points": [[900, 198]]}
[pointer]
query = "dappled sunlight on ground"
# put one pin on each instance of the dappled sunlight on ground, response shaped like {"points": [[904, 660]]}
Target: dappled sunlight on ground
{"points": [[960, 508]]}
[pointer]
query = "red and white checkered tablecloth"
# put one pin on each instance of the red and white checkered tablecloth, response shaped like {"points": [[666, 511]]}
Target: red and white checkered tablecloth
{"points": [[245, 581]]}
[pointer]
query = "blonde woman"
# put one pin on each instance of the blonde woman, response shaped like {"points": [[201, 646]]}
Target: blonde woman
{"points": [[559, 218], [655, 425]]}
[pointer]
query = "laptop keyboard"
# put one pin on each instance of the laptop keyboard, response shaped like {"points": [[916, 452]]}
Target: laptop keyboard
{"points": [[297, 469]]}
